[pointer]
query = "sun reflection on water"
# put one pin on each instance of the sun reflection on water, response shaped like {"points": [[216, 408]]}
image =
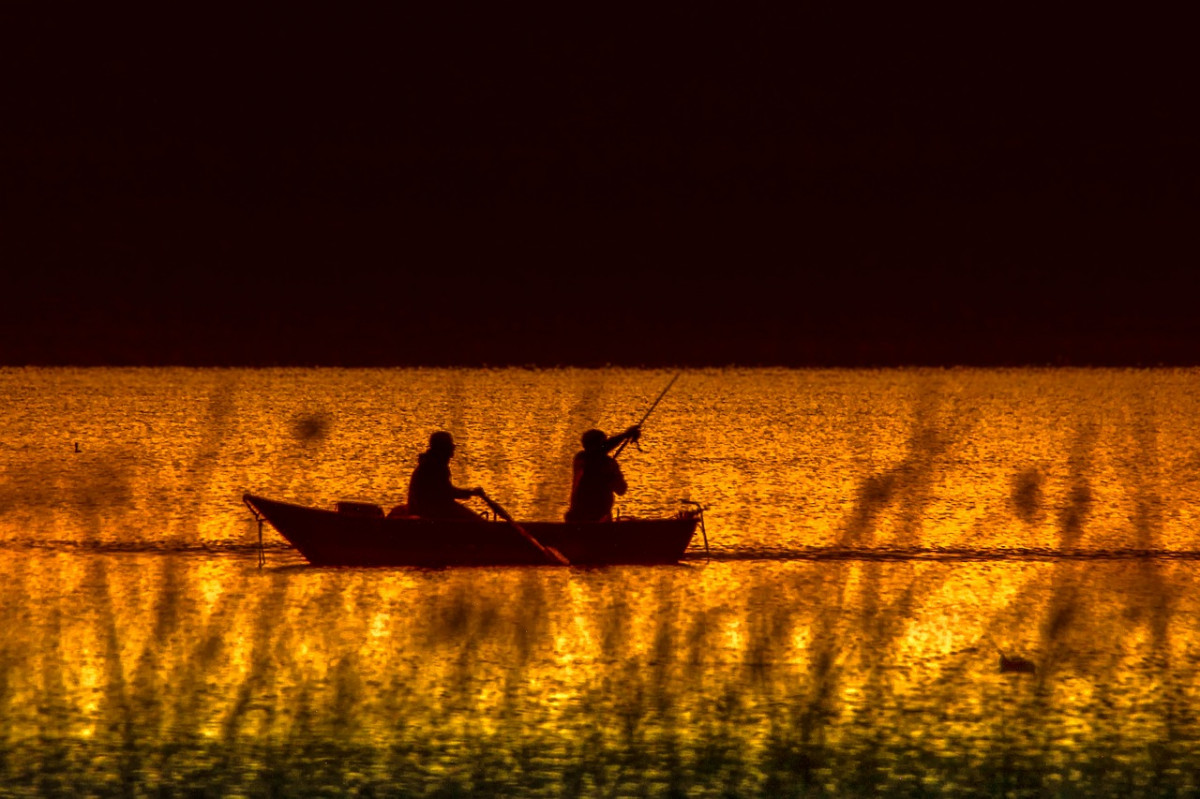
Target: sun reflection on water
{"points": [[883, 544]]}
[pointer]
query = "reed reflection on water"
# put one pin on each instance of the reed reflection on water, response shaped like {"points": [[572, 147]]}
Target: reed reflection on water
{"points": [[929, 523]]}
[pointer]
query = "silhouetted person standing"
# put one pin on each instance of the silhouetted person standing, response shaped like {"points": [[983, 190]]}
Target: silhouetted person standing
{"points": [[431, 494], [596, 476]]}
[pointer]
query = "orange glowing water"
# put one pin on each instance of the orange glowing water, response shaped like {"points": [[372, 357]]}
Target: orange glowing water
{"points": [[878, 540]]}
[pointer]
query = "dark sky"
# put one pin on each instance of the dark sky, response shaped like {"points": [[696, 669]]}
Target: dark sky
{"points": [[597, 185]]}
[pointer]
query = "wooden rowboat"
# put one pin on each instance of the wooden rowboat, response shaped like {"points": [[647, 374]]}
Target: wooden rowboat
{"points": [[360, 534]]}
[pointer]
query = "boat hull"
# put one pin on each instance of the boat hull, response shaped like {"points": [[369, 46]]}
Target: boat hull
{"points": [[332, 538]]}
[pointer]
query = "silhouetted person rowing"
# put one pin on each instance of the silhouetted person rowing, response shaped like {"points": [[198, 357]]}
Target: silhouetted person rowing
{"points": [[596, 476], [431, 494]]}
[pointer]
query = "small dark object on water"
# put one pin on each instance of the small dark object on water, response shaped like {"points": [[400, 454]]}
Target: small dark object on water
{"points": [[1017, 665], [311, 427], [77, 446]]}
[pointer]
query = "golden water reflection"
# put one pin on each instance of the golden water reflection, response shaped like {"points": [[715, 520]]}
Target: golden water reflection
{"points": [[783, 460], [708, 678], [880, 540]]}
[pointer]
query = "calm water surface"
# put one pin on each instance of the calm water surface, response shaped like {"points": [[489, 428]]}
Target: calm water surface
{"points": [[878, 541]]}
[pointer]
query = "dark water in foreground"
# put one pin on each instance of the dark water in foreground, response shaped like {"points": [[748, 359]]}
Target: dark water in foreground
{"points": [[878, 541]]}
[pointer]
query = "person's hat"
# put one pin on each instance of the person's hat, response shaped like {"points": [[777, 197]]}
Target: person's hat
{"points": [[593, 439], [441, 441]]}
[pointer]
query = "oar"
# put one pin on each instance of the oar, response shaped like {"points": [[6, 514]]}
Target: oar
{"points": [[647, 415], [552, 554]]}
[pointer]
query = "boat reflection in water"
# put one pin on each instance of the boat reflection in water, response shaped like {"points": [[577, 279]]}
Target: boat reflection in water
{"points": [[848, 636]]}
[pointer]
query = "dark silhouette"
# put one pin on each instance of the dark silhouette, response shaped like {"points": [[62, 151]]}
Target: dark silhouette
{"points": [[431, 494], [596, 476], [1017, 665]]}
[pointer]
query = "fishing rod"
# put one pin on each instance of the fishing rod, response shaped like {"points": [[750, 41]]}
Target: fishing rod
{"points": [[647, 415]]}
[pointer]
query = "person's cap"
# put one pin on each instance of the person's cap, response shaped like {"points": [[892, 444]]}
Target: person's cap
{"points": [[592, 439], [441, 441]]}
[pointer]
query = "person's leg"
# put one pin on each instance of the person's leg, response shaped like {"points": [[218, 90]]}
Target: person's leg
{"points": [[462, 512], [452, 512]]}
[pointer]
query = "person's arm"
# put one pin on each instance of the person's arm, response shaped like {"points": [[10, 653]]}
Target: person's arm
{"points": [[619, 486], [466, 493], [633, 434], [448, 489]]}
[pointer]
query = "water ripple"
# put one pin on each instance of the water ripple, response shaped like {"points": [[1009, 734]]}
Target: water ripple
{"points": [[942, 554]]}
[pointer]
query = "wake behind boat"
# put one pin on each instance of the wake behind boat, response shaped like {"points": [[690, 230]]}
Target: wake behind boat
{"points": [[360, 534]]}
